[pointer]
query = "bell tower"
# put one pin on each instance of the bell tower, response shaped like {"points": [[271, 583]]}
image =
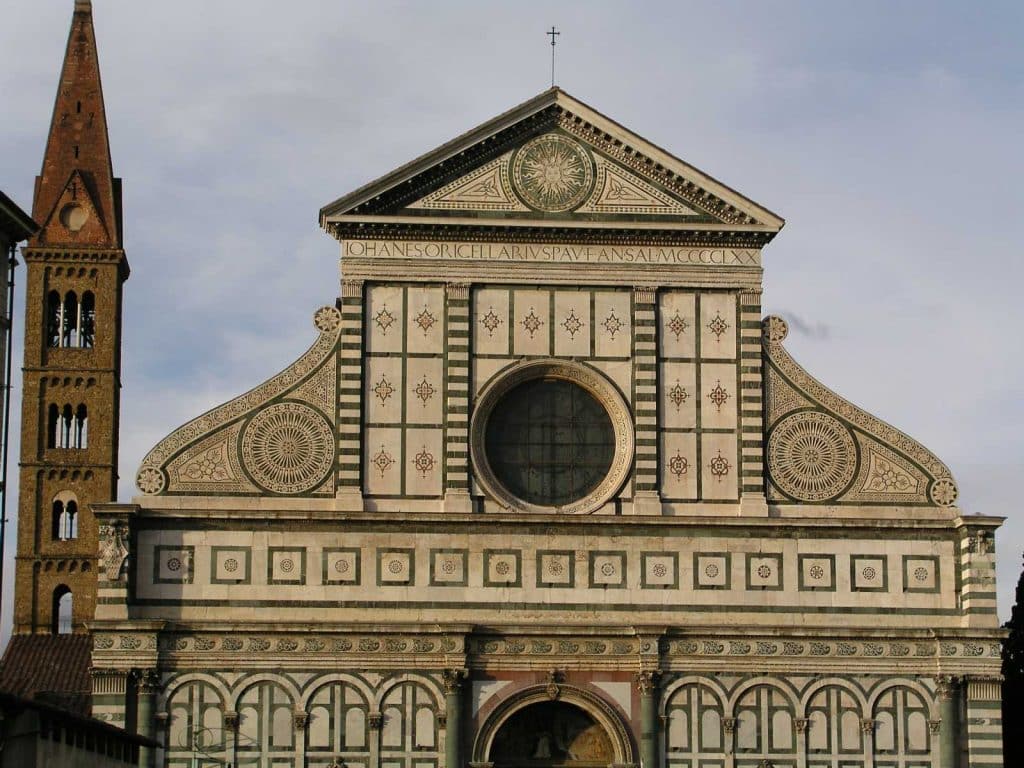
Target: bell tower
{"points": [[72, 371]]}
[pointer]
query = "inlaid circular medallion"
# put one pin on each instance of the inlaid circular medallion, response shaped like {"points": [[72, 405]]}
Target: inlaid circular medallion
{"points": [[553, 173], [811, 456], [288, 448]]}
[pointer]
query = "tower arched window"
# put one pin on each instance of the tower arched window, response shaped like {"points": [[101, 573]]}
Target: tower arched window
{"points": [[72, 319], [81, 436], [87, 335], [52, 425], [65, 517], [54, 318], [68, 427], [70, 322], [63, 602]]}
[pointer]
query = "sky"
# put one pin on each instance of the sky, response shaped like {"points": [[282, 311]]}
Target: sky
{"points": [[887, 134]]}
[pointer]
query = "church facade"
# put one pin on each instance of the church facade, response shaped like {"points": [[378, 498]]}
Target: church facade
{"points": [[547, 490]]}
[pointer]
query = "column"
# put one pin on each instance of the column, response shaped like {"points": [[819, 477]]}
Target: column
{"points": [[867, 727], [800, 725], [985, 721], [376, 722], [647, 686], [456, 412], [646, 499], [350, 393], [148, 685], [729, 729], [752, 493], [231, 737], [300, 720], [453, 735], [948, 727]]}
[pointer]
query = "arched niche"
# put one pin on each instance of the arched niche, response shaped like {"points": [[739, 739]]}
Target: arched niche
{"points": [[536, 730]]}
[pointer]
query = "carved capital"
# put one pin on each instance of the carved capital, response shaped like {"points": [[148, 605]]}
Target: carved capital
{"points": [[352, 288], [945, 686], [457, 291], [867, 725], [934, 726], [647, 683], [300, 720], [729, 724], [644, 293], [801, 724], [230, 721], [452, 680], [148, 680], [442, 719], [375, 721]]}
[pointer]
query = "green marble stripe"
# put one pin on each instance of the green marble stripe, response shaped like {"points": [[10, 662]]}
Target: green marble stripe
{"points": [[972, 595], [355, 347], [750, 385], [351, 301], [751, 324], [353, 420]]}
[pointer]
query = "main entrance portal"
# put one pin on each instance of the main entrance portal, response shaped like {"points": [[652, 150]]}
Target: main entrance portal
{"points": [[551, 733]]}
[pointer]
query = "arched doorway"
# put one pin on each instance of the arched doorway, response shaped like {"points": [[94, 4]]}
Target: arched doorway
{"points": [[554, 726], [551, 734]]}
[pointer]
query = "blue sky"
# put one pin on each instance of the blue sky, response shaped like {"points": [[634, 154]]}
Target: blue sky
{"points": [[886, 133]]}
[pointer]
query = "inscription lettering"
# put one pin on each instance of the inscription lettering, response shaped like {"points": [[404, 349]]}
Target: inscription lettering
{"points": [[547, 252]]}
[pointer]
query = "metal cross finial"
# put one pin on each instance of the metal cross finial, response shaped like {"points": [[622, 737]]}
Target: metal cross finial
{"points": [[552, 35]]}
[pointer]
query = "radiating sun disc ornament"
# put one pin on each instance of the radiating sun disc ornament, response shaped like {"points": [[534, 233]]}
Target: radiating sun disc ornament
{"points": [[553, 173]]}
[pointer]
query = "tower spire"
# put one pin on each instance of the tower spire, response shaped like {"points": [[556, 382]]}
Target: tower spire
{"points": [[77, 199]]}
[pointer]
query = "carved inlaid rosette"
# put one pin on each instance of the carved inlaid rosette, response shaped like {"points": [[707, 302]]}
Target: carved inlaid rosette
{"points": [[287, 448], [553, 173], [811, 456]]}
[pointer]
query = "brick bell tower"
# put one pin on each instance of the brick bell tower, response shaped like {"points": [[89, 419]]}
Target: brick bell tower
{"points": [[72, 373]]}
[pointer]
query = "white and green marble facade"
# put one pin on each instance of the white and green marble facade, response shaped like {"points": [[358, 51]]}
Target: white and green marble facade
{"points": [[324, 571]]}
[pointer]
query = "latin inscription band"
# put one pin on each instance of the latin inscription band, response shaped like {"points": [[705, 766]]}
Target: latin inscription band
{"points": [[454, 250]]}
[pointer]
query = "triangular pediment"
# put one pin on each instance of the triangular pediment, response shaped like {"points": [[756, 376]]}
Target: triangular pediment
{"points": [[75, 218], [552, 159]]}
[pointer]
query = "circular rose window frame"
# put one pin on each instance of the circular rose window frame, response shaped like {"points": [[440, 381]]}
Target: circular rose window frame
{"points": [[583, 376]]}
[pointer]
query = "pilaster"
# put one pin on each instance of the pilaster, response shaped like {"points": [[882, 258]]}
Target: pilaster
{"points": [[456, 457], [109, 688], [647, 500], [978, 577], [350, 389], [984, 722], [752, 485]]}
